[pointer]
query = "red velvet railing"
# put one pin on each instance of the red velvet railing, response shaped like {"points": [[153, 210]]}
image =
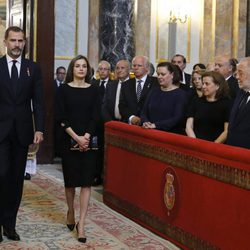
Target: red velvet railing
{"points": [[192, 192]]}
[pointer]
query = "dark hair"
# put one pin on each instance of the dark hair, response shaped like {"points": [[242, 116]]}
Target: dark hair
{"points": [[151, 69], [172, 69], [14, 29], [70, 76], [233, 62], [200, 65], [60, 67], [219, 80], [183, 58]]}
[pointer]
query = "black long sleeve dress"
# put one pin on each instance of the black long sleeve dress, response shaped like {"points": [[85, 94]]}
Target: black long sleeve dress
{"points": [[78, 108]]}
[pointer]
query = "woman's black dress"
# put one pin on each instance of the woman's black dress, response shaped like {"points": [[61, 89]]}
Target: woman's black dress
{"points": [[78, 108]]}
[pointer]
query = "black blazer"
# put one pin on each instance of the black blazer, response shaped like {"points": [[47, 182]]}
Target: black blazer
{"points": [[128, 104], [97, 84], [233, 86], [187, 79], [15, 109], [239, 124], [108, 106]]}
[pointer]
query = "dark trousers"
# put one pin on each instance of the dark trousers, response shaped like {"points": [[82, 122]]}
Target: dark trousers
{"points": [[13, 157]]}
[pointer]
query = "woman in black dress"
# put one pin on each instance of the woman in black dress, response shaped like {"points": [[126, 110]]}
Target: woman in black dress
{"points": [[78, 112], [208, 115]]}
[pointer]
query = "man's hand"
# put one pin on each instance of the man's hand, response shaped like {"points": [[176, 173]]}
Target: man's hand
{"points": [[135, 120], [38, 137]]}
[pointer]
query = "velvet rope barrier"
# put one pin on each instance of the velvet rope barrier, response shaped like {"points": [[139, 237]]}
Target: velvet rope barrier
{"points": [[192, 192]]}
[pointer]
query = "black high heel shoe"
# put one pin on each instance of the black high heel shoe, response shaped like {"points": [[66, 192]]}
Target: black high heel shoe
{"points": [[80, 239], [70, 226]]}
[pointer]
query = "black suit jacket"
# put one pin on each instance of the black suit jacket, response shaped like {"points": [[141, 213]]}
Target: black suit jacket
{"points": [[15, 109], [97, 84], [239, 124], [233, 87], [108, 107], [187, 79], [128, 104]]}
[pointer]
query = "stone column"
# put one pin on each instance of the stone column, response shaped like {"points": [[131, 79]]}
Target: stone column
{"points": [[116, 30]]}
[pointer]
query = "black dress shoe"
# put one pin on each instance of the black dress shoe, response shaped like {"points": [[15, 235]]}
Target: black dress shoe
{"points": [[1, 237], [80, 239], [11, 234], [70, 226], [27, 176]]}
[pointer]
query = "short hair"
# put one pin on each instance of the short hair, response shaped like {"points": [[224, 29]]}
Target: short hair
{"points": [[183, 58], [70, 76], [172, 69], [233, 62], [60, 67], [146, 60], [219, 80], [104, 61], [14, 29], [151, 69], [200, 65]]}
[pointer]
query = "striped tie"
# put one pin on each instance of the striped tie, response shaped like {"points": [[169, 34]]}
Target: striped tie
{"points": [[138, 90]]}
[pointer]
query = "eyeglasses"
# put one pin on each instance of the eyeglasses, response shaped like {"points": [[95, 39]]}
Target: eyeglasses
{"points": [[104, 69], [61, 73]]}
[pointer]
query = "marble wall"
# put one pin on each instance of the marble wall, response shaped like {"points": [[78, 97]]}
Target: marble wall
{"points": [[217, 27], [224, 30], [116, 32], [93, 41]]}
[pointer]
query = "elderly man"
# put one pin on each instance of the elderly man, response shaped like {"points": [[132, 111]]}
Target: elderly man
{"points": [[227, 66], [135, 91], [110, 109], [103, 71], [181, 61], [239, 122]]}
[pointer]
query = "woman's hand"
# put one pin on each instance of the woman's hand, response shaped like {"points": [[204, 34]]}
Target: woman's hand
{"points": [[148, 125], [83, 142]]}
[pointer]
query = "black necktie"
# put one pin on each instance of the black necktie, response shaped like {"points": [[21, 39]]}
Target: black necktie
{"points": [[243, 102], [14, 75], [102, 89]]}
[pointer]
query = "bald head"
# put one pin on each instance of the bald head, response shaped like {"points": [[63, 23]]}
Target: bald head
{"points": [[122, 69], [223, 66]]}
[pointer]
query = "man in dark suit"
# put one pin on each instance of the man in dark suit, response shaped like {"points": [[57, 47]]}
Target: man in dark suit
{"points": [[134, 91], [58, 131], [181, 61], [227, 66], [239, 122], [103, 70], [110, 109], [20, 87], [60, 76]]}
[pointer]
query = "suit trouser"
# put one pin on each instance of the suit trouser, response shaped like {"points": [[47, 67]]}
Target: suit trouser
{"points": [[13, 157]]}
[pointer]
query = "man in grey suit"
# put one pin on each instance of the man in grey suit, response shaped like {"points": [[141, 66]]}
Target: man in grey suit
{"points": [[20, 85], [110, 109], [239, 122]]}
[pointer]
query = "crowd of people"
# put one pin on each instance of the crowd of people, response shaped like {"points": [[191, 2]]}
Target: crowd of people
{"points": [[210, 104]]}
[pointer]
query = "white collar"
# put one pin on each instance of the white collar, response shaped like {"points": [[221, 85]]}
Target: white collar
{"points": [[10, 59]]}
